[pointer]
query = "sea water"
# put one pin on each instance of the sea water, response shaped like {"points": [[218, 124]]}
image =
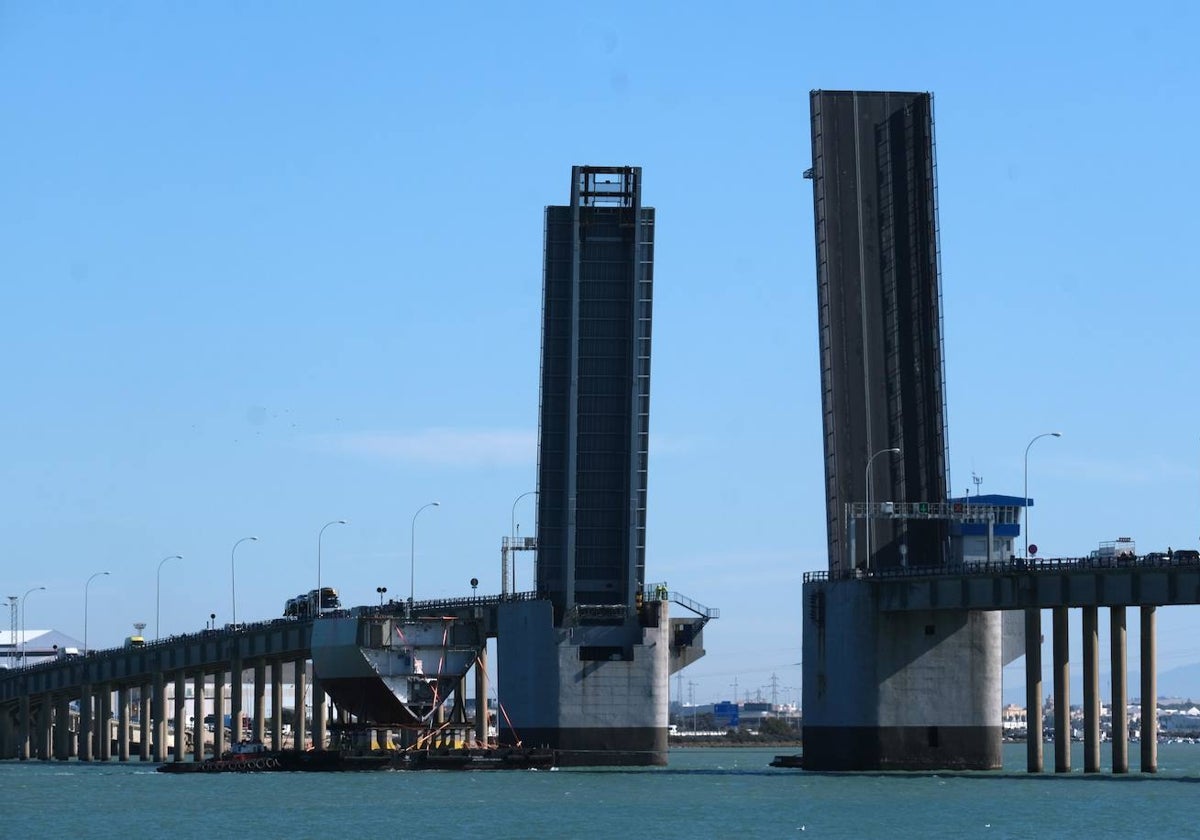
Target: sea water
{"points": [[704, 793]]}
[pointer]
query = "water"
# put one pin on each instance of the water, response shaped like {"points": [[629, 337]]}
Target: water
{"points": [[704, 793]]}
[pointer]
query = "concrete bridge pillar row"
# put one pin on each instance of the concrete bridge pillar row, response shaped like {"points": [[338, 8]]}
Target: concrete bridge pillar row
{"points": [[1149, 692], [1062, 692], [903, 690], [1033, 690], [1120, 691]]}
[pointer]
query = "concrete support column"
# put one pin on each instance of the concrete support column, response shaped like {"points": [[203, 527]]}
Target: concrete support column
{"points": [[23, 728], [46, 728], [260, 709], [481, 697], [123, 723], [62, 727], [299, 726], [1149, 692], [8, 746], [160, 718], [235, 700], [103, 725], [145, 705], [84, 736], [319, 711], [277, 704], [218, 713], [1091, 690], [1033, 690], [1120, 691], [198, 716], [180, 715], [1062, 693]]}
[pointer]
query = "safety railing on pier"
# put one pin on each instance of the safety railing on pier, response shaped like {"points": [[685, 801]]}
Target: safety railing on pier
{"points": [[1015, 566]]}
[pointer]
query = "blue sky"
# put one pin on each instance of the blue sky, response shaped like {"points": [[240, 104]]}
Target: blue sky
{"points": [[268, 265]]}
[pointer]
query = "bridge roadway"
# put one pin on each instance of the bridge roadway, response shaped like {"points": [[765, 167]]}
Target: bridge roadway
{"points": [[1086, 583], [35, 701]]}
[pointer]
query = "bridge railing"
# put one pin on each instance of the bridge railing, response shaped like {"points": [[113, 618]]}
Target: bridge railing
{"points": [[1018, 566]]}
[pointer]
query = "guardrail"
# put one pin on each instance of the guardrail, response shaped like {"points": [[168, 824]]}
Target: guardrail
{"points": [[1015, 566]]}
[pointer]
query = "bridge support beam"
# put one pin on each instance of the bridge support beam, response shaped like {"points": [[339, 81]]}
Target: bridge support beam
{"points": [[180, 714], [276, 704], [235, 699], [319, 713], [1062, 692], [1149, 692], [481, 696], [160, 718], [198, 716], [1033, 690], [123, 723], [260, 702], [145, 706], [299, 724], [219, 713], [1091, 690], [84, 735], [1120, 691]]}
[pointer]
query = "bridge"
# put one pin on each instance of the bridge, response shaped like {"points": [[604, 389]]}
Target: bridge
{"points": [[1058, 584], [37, 720]]}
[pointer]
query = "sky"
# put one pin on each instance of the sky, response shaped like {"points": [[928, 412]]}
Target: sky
{"points": [[268, 265]]}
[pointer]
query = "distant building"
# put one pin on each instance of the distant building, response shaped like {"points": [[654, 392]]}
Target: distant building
{"points": [[35, 645]]}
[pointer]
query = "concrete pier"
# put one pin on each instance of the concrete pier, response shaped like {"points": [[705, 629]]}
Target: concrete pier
{"points": [[1033, 690], [160, 718], [299, 724], [85, 724], [235, 699], [1091, 690], [180, 745], [145, 703], [481, 697], [1120, 692], [198, 716], [218, 713], [1062, 692], [62, 727], [1149, 692], [320, 711], [260, 702], [276, 704], [104, 722], [123, 723]]}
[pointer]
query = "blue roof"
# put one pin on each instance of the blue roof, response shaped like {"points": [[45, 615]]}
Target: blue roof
{"points": [[994, 499]]}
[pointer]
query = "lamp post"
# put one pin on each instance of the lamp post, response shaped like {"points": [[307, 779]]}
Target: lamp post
{"points": [[512, 533], [412, 557], [870, 519], [23, 597], [85, 609], [233, 578], [316, 608], [158, 589], [1026, 496]]}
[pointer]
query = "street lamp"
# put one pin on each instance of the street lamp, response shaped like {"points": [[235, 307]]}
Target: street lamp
{"points": [[870, 519], [85, 609], [412, 557], [1026, 497], [158, 589], [321, 533], [233, 578], [23, 597], [513, 534]]}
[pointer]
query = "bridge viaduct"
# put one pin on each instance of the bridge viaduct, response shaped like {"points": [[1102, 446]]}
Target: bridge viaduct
{"points": [[940, 598]]}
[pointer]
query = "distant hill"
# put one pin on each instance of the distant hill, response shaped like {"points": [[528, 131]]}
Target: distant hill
{"points": [[1181, 682]]}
